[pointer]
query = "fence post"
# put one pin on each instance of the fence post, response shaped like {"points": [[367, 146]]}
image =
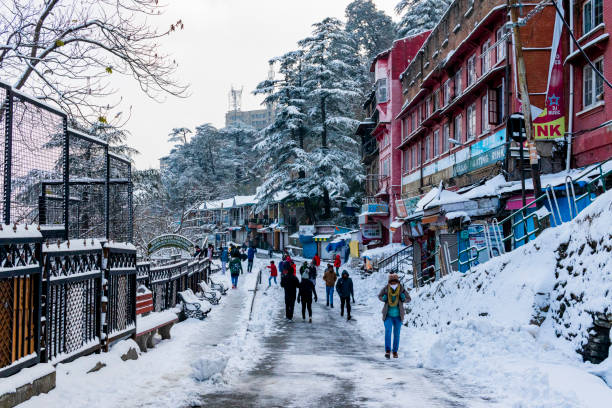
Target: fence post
{"points": [[107, 195], [8, 152], [66, 176], [130, 206]]}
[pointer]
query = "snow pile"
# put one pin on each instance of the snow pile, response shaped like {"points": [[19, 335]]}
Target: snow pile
{"points": [[383, 252], [209, 368], [514, 324]]}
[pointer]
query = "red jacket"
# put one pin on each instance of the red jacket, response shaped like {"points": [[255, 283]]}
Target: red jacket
{"points": [[294, 269], [273, 270], [317, 260], [337, 261]]}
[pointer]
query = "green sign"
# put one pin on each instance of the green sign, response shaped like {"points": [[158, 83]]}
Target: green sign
{"points": [[491, 156], [170, 241]]}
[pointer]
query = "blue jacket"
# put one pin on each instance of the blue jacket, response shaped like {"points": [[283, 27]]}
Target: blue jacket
{"points": [[251, 253], [224, 255]]}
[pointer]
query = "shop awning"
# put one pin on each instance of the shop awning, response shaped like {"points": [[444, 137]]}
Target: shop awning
{"points": [[322, 237], [295, 235], [396, 224]]}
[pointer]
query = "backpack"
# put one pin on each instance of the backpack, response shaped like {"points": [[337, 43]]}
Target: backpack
{"points": [[235, 267], [312, 272]]}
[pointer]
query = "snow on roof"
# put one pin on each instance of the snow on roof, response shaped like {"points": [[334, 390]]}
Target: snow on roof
{"points": [[446, 197], [457, 214], [245, 200], [19, 231], [281, 195]]}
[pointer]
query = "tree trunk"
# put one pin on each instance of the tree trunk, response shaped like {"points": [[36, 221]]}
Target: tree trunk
{"points": [[326, 200]]}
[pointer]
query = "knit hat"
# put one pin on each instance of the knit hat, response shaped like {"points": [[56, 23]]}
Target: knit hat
{"points": [[393, 277]]}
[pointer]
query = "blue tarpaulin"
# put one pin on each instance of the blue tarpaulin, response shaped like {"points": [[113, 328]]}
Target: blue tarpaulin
{"points": [[335, 245]]}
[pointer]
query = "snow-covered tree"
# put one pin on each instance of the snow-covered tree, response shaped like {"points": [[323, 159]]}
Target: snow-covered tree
{"points": [[371, 29], [179, 135], [330, 68], [239, 155], [419, 15]]}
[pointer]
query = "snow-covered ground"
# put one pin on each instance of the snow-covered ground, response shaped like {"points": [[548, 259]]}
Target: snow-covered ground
{"points": [[201, 357], [482, 325]]}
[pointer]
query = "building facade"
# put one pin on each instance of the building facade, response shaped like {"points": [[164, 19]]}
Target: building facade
{"points": [[381, 135], [258, 119], [590, 99]]}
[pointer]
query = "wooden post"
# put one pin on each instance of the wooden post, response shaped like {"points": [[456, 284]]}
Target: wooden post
{"points": [[523, 89]]}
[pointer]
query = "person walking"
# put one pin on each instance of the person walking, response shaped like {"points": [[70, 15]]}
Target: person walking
{"points": [[270, 252], [307, 289], [198, 251], [273, 273], [210, 252], [304, 270], [235, 266], [344, 287], [224, 258], [394, 295], [312, 274], [337, 263], [316, 260], [290, 283], [251, 257], [330, 279]]}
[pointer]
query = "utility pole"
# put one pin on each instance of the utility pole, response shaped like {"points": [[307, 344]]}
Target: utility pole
{"points": [[523, 89]]}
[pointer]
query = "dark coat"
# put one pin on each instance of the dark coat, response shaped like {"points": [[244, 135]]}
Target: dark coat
{"points": [[312, 272], [290, 283], [251, 253], [344, 287], [307, 289]]}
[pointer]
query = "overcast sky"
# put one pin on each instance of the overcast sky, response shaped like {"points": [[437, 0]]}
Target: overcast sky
{"points": [[224, 43]]}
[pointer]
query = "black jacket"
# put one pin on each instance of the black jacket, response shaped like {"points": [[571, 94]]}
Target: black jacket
{"points": [[290, 283], [307, 289], [344, 287], [312, 272]]}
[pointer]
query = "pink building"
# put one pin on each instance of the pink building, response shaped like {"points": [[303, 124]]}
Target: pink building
{"points": [[379, 212], [591, 104]]}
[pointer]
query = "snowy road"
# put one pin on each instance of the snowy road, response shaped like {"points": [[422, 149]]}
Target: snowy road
{"points": [[329, 364]]}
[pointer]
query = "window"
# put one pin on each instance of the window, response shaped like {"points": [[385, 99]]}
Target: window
{"points": [[381, 90], [486, 57], [500, 50], [592, 15], [412, 122], [447, 92], [406, 160], [428, 155], [457, 129], [496, 105], [459, 82], [436, 143], [427, 108], [471, 70], [436, 100], [471, 122], [592, 85], [385, 167], [446, 136], [484, 113], [405, 131], [414, 156], [385, 140]]}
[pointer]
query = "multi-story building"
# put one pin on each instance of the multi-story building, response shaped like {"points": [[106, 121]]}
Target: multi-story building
{"points": [[257, 119], [381, 134], [590, 105]]}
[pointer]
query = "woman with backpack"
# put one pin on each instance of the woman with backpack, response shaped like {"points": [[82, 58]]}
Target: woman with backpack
{"points": [[235, 266], [394, 295]]}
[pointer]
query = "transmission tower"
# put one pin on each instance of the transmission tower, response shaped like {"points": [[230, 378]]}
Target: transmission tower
{"points": [[235, 102]]}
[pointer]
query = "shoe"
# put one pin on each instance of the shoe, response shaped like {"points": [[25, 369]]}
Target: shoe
{"points": [[348, 317], [332, 305], [327, 304], [341, 313], [387, 355], [395, 354], [310, 320], [303, 318]]}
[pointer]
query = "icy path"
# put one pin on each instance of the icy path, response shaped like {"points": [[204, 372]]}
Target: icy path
{"points": [[329, 364], [167, 376]]}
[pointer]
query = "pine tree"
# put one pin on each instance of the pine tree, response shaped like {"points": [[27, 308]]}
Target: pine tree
{"points": [[370, 28], [330, 67], [420, 15]]}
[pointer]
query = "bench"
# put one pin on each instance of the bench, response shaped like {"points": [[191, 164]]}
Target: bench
{"points": [[148, 323], [192, 306], [209, 294], [218, 287]]}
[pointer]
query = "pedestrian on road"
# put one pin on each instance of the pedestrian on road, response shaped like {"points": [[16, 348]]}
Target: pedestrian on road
{"points": [[316, 259], [293, 268], [224, 259], [290, 283], [198, 251], [273, 273], [210, 252], [312, 274], [235, 266], [394, 295], [304, 270], [270, 252], [251, 256], [344, 287], [337, 263], [330, 280], [307, 289]]}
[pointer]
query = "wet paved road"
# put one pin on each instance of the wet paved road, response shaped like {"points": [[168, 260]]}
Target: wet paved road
{"points": [[328, 364]]}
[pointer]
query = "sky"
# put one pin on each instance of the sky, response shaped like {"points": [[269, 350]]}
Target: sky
{"points": [[224, 43]]}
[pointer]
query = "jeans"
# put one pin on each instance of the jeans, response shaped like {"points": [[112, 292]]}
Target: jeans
{"points": [[223, 267], [270, 280], [250, 266], [306, 305], [329, 292], [395, 324], [345, 301], [337, 271], [234, 280], [289, 305]]}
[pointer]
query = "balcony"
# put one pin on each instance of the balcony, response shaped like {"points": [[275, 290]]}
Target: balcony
{"points": [[369, 148], [373, 207]]}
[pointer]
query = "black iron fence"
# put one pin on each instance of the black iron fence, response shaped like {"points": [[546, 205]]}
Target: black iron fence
{"points": [[167, 280], [120, 291]]}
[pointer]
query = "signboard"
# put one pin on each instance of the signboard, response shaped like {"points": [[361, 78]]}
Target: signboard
{"points": [[401, 208], [410, 204], [488, 143], [169, 241], [371, 231], [376, 208], [478, 239], [479, 161]]}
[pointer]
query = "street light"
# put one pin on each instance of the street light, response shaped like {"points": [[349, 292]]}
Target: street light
{"points": [[455, 142]]}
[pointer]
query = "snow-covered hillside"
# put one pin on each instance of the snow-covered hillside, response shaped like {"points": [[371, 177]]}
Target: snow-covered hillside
{"points": [[515, 324]]}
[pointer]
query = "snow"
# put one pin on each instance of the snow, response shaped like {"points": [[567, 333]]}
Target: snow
{"points": [[25, 376], [245, 200], [482, 325], [383, 252], [457, 214], [75, 245], [19, 231], [120, 245], [445, 197], [146, 323], [202, 356]]}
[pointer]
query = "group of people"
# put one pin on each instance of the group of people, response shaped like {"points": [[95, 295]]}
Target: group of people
{"points": [[234, 257]]}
